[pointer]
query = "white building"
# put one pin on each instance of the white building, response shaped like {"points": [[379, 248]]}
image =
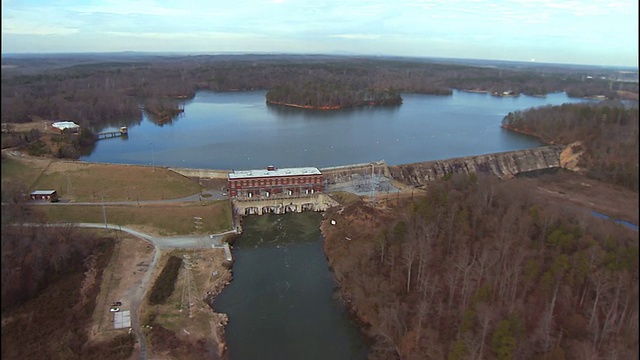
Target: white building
{"points": [[66, 126]]}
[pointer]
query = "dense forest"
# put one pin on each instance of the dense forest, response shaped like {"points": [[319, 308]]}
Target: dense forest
{"points": [[479, 269], [108, 90], [330, 96], [606, 134]]}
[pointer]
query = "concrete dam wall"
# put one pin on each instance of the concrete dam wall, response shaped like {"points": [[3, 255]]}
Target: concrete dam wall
{"points": [[503, 165]]}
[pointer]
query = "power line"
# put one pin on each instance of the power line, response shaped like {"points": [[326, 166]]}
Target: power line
{"points": [[189, 290]]}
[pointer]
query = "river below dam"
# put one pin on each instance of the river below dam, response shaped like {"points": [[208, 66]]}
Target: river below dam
{"points": [[283, 302]]}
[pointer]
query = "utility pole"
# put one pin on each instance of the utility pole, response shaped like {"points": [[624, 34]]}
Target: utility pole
{"points": [[372, 184], [153, 158], [189, 289], [104, 215]]}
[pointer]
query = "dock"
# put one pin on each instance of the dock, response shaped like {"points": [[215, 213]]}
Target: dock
{"points": [[111, 134]]}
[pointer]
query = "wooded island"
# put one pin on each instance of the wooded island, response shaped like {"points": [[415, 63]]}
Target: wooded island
{"points": [[330, 96]]}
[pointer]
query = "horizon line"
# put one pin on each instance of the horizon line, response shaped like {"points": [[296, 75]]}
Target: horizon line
{"points": [[335, 54]]}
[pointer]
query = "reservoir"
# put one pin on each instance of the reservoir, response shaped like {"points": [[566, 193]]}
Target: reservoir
{"points": [[239, 130]]}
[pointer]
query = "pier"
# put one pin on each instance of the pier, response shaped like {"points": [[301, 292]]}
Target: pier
{"points": [[111, 134]]}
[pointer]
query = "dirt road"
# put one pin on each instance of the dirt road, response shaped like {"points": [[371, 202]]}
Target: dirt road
{"points": [[131, 275]]}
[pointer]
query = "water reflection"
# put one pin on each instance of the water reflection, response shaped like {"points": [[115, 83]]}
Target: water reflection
{"points": [[115, 125], [283, 111]]}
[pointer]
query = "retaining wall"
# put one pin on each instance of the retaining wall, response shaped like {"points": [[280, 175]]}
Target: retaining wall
{"points": [[503, 165]]}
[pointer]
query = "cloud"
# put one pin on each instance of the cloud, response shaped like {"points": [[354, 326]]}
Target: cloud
{"points": [[127, 7], [463, 27], [356, 36], [26, 28], [19, 22], [188, 35]]}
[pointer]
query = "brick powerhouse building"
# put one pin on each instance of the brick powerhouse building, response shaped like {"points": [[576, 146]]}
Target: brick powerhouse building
{"points": [[261, 184]]}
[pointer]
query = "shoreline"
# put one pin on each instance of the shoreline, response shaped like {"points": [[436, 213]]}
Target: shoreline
{"points": [[219, 320], [528, 133], [360, 320], [323, 108]]}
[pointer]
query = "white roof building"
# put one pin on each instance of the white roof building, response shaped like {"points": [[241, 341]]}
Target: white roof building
{"points": [[64, 125], [273, 172]]}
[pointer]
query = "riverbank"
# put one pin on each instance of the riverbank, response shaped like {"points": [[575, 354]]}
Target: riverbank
{"points": [[220, 319], [346, 230]]}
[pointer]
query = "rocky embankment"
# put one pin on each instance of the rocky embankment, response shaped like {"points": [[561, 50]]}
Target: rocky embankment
{"points": [[503, 165], [219, 320]]}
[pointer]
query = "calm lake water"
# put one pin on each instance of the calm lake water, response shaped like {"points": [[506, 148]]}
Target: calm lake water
{"points": [[282, 300], [240, 131]]}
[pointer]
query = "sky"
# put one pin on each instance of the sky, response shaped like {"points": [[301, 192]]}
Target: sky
{"points": [[586, 32]]}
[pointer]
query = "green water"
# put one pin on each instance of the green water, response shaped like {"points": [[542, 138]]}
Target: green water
{"points": [[282, 302]]}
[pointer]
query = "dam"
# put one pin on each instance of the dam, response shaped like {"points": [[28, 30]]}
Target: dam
{"points": [[264, 197], [504, 165]]}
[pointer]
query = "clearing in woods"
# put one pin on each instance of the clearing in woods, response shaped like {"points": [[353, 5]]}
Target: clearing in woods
{"points": [[129, 278]]}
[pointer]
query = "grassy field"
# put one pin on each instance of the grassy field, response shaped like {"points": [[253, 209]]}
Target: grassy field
{"points": [[90, 182], [87, 182], [21, 172], [167, 220]]}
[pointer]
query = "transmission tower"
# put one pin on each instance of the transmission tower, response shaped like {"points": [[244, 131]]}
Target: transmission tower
{"points": [[189, 290], [372, 184]]}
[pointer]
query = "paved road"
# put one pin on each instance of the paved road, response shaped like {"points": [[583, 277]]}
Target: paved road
{"points": [[207, 195], [165, 242]]}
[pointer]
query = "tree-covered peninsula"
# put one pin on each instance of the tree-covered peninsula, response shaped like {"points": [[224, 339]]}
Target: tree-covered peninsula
{"points": [[328, 96], [602, 138]]}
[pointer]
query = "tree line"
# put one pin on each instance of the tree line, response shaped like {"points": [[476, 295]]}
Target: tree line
{"points": [[331, 96], [479, 269], [99, 93], [607, 133]]}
